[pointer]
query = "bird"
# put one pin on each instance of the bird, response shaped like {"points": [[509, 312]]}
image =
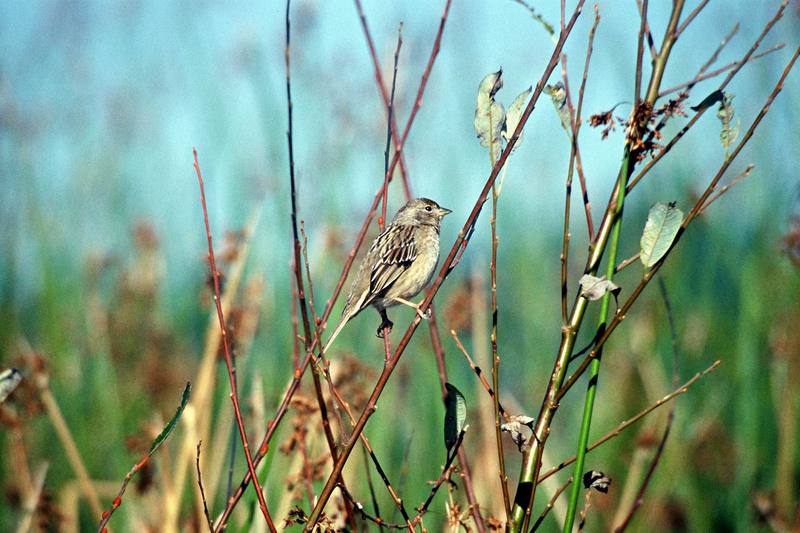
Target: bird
{"points": [[399, 263]]}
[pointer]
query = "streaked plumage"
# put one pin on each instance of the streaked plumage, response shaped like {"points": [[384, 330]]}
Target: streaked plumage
{"points": [[399, 263]]}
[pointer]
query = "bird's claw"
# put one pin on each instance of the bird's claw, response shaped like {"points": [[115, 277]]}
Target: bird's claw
{"points": [[386, 325]]}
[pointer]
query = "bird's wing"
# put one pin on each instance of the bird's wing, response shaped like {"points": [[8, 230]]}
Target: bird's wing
{"points": [[394, 250]]}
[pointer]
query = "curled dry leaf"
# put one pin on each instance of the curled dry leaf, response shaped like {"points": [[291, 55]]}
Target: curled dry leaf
{"points": [[489, 114], [455, 415], [514, 114], [558, 95], [515, 426], [596, 480], [9, 379], [726, 114], [708, 101], [663, 223], [593, 288]]}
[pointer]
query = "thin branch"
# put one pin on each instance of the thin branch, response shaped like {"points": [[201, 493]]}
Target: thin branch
{"points": [[480, 374], [307, 330], [637, 502], [445, 269], [550, 504], [695, 211], [227, 351], [202, 490], [690, 17], [735, 70], [387, 103], [746, 172], [575, 126], [714, 73], [389, 122], [625, 424], [651, 45]]}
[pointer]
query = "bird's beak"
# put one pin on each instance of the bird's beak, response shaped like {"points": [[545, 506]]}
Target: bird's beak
{"points": [[444, 211]]}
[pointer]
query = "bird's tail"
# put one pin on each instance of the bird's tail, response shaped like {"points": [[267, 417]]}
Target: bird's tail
{"points": [[335, 333]]}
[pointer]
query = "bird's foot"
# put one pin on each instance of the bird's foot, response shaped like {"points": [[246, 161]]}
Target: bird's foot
{"points": [[385, 327], [424, 315]]}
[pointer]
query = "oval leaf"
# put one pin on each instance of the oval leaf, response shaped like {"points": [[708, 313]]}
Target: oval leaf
{"points": [[9, 379], [187, 391], [489, 114], [558, 95], [514, 114], [663, 223], [455, 415]]}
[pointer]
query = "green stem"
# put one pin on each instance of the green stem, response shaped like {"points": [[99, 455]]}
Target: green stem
{"points": [[594, 369], [659, 65]]}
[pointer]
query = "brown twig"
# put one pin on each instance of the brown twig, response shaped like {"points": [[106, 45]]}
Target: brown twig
{"points": [[307, 330], [390, 125], [651, 45], [690, 17], [479, 373], [550, 504], [387, 103], [445, 269], [735, 70], [637, 502], [625, 424], [227, 349], [693, 213], [720, 70], [202, 490], [574, 158]]}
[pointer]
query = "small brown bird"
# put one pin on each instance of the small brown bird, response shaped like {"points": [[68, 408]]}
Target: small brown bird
{"points": [[399, 263]]}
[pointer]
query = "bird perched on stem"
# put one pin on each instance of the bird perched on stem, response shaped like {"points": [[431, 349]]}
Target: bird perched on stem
{"points": [[399, 263]]}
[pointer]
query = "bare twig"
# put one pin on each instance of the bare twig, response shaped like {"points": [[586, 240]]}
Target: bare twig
{"points": [[307, 329], [637, 502], [227, 350], [551, 504], [445, 269], [690, 17], [387, 103], [575, 126], [695, 211], [625, 424], [202, 490], [734, 70]]}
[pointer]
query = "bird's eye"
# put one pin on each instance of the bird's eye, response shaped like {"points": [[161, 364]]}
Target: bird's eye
{"points": [[428, 208]]}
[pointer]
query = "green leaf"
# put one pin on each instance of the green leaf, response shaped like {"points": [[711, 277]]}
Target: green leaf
{"points": [[726, 114], [455, 415], [172, 423], [663, 223], [514, 114], [489, 114], [9, 379], [558, 95]]}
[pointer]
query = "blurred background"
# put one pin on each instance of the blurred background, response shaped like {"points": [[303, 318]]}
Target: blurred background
{"points": [[104, 284]]}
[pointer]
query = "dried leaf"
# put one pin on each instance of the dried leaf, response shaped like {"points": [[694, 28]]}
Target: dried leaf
{"points": [[558, 95], [663, 223], [489, 114], [593, 288], [730, 130], [9, 379], [514, 428], [596, 480], [455, 415], [708, 101], [187, 391], [513, 116]]}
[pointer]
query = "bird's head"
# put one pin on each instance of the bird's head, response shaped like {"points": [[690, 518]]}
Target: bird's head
{"points": [[420, 211]]}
